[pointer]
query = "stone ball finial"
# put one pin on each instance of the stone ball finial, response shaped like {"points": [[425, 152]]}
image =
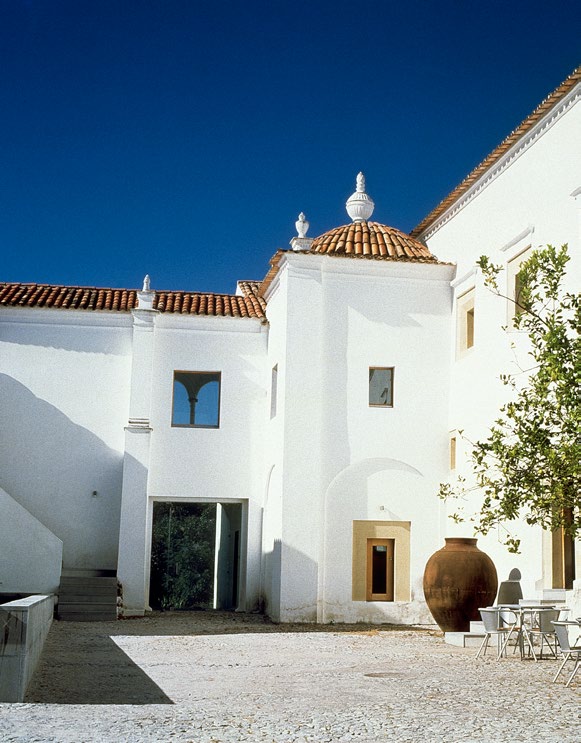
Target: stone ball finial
{"points": [[359, 205], [302, 225]]}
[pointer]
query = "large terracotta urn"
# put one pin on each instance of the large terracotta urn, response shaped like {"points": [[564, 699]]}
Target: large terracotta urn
{"points": [[458, 580]]}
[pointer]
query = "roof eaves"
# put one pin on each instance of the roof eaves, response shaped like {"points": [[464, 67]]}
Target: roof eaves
{"points": [[544, 107]]}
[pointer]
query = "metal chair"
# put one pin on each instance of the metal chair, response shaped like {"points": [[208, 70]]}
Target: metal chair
{"points": [[499, 622], [570, 652], [542, 626]]}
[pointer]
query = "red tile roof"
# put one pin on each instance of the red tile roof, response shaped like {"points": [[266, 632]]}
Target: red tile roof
{"points": [[124, 300], [550, 101], [221, 305], [67, 297], [371, 240]]}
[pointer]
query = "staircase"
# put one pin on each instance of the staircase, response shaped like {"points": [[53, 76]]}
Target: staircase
{"points": [[87, 598]]}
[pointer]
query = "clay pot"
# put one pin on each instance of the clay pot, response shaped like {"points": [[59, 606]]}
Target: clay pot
{"points": [[458, 580]]}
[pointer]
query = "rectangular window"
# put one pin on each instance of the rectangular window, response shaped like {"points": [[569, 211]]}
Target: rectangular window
{"points": [[273, 390], [453, 452], [380, 561], [465, 323], [196, 399], [514, 285], [381, 386]]}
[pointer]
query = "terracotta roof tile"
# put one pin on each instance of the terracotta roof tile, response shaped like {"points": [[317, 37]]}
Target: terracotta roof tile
{"points": [[371, 240], [251, 304], [550, 101], [67, 297]]}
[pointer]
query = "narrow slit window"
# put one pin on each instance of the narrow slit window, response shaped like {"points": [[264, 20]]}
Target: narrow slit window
{"points": [[273, 391], [470, 328], [381, 386], [515, 286], [452, 452], [465, 325]]}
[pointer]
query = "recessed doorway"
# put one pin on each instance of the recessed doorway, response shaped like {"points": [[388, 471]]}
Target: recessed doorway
{"points": [[197, 555]]}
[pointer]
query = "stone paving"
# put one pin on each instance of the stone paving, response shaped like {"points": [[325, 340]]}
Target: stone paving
{"points": [[207, 677]]}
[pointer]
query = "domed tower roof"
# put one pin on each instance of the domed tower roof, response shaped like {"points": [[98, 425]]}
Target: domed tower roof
{"points": [[364, 239], [371, 240]]}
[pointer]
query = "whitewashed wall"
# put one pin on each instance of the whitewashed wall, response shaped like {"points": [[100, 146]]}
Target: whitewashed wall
{"points": [[64, 391], [528, 201], [200, 464], [341, 459], [30, 555]]}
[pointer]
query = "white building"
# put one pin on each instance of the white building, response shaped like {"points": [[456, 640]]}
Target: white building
{"points": [[316, 407]]}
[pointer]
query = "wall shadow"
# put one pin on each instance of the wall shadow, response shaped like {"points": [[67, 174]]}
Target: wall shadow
{"points": [[90, 669], [51, 466], [113, 339]]}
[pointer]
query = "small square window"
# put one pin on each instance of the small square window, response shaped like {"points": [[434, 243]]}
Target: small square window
{"points": [[196, 399], [381, 386]]}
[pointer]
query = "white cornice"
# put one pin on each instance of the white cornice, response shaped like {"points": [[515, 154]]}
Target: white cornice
{"points": [[167, 321], [471, 274], [65, 317], [528, 232], [500, 165], [312, 265]]}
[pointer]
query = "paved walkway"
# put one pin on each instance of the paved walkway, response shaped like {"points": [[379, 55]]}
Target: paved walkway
{"points": [[205, 677]]}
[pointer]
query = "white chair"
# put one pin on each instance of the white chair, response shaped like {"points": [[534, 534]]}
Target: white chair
{"points": [[499, 622], [570, 652]]}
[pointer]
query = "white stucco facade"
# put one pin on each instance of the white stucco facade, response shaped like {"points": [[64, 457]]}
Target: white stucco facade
{"points": [[528, 200], [305, 470]]}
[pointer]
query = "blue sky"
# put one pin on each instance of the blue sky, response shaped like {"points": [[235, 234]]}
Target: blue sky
{"points": [[181, 139]]}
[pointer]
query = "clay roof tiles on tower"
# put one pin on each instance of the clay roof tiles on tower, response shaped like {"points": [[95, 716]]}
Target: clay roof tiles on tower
{"points": [[371, 240]]}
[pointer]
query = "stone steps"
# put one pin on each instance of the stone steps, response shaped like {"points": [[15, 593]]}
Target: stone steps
{"points": [[87, 598]]}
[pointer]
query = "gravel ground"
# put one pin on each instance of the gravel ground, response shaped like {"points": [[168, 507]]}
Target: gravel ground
{"points": [[208, 677]]}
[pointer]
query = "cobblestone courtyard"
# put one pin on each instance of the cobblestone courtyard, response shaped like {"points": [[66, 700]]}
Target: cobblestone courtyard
{"points": [[205, 676]]}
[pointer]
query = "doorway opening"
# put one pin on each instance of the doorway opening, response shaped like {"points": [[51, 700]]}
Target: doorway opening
{"points": [[195, 555], [182, 556]]}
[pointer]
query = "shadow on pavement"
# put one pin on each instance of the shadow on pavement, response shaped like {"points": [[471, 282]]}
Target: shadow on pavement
{"points": [[90, 670], [82, 664]]}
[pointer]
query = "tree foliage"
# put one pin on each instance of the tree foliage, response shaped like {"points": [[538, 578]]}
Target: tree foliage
{"points": [[182, 555], [529, 465]]}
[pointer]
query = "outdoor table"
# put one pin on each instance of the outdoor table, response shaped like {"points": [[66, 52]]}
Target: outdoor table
{"points": [[522, 612]]}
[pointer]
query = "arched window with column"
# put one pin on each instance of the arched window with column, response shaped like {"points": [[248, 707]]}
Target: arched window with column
{"points": [[196, 399]]}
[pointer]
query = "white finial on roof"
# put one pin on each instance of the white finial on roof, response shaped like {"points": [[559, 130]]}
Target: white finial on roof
{"points": [[302, 242], [145, 297], [302, 225], [359, 205]]}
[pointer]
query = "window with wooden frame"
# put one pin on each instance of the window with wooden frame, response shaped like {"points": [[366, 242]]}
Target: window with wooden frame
{"points": [[196, 399], [453, 451], [465, 322], [381, 386], [381, 561], [514, 285], [380, 569]]}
